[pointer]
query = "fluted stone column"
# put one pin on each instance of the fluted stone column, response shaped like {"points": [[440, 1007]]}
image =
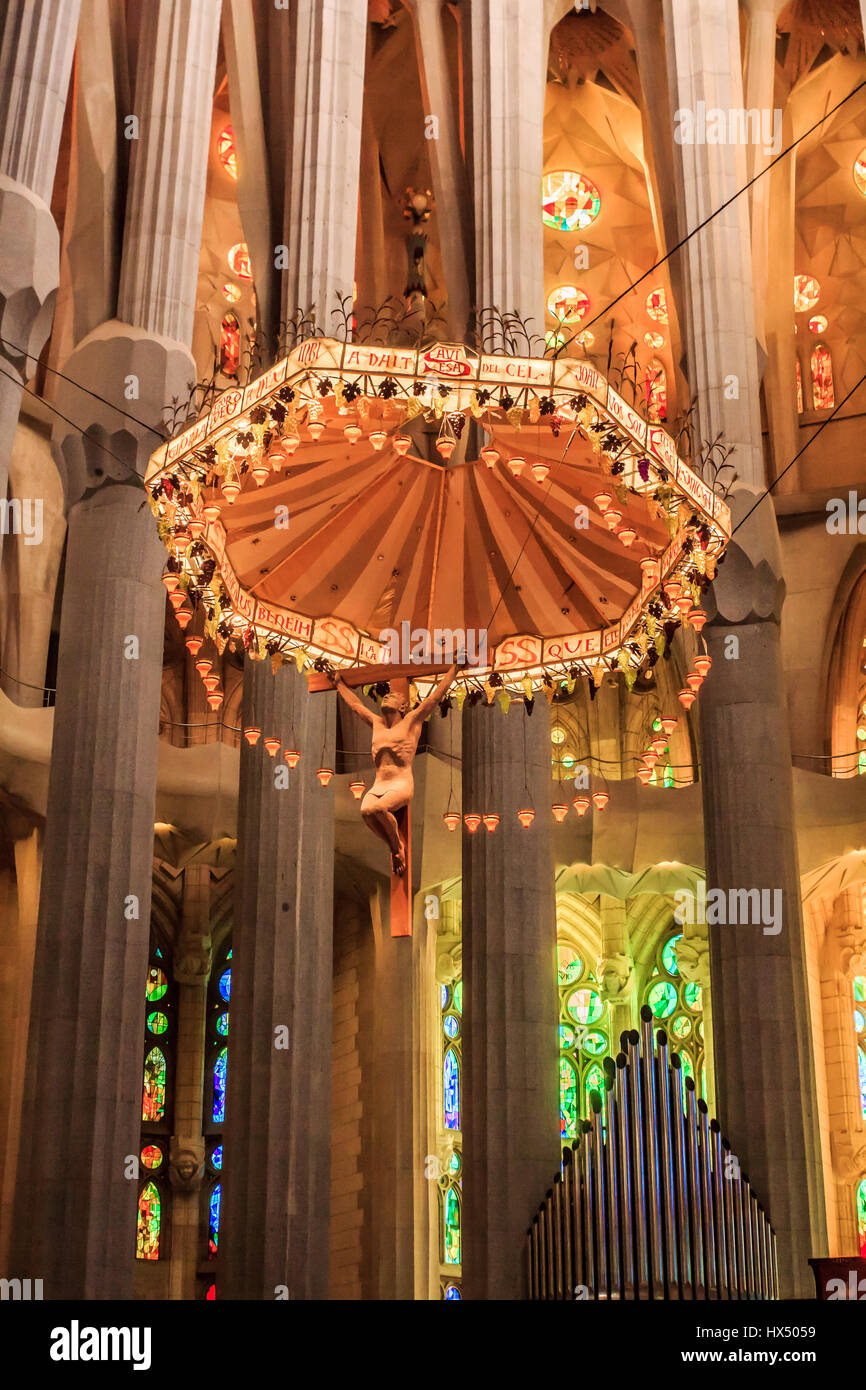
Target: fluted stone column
{"points": [[277, 1185], [510, 1127], [616, 966], [278, 1118], [323, 149], [75, 1208], [36, 47], [765, 1075]]}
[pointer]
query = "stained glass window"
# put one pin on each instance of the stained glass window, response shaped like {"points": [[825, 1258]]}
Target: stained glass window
{"points": [[583, 1038], [860, 1034], [677, 1006], [226, 151], [215, 1098], [799, 378], [657, 304], [861, 1217], [232, 292], [655, 381], [807, 292], [654, 340], [450, 1183], [823, 396], [230, 345], [569, 201], [156, 1107], [568, 303], [818, 324], [239, 261], [860, 173], [149, 1222]]}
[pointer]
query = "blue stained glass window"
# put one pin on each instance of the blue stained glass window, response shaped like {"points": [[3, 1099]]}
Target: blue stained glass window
{"points": [[214, 1229], [450, 1025], [451, 1076], [219, 1087], [861, 1068], [216, 1157], [443, 996], [225, 985], [452, 1291]]}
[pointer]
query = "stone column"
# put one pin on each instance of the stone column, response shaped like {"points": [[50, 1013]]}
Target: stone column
{"points": [[192, 966], [37, 42], [616, 966], [510, 1129], [278, 1117], [324, 149], [843, 956], [765, 1077], [276, 1188], [508, 61], [75, 1210]]}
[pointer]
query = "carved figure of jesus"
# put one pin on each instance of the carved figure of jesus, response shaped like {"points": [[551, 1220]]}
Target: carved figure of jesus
{"points": [[396, 732]]}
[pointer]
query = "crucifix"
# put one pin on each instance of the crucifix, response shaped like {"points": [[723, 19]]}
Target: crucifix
{"points": [[385, 808]]}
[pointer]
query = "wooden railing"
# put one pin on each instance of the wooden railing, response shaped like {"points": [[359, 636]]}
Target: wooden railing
{"points": [[650, 1202]]}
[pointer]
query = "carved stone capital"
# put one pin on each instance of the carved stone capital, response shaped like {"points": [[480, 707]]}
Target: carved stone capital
{"points": [[186, 1162], [29, 274], [616, 972], [693, 959], [137, 374], [449, 958], [848, 1153]]}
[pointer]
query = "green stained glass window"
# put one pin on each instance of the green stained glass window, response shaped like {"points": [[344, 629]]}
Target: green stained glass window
{"points": [[859, 1021], [222, 1025], [662, 999], [153, 1095], [668, 775], [157, 984], [593, 1081], [149, 1221], [458, 996], [452, 1227], [688, 1069], [567, 1099], [669, 955], [681, 1026], [584, 1005], [566, 1035], [220, 1073], [860, 987], [157, 1022], [570, 965], [692, 996], [151, 1156], [594, 1043]]}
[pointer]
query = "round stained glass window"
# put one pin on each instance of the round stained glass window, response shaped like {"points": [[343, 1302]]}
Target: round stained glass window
{"points": [[151, 1156], [568, 303], [226, 151], [216, 1157], [662, 999], [554, 341], [818, 324], [654, 340], [157, 984], [557, 734], [807, 292], [569, 963], [239, 261], [458, 996], [223, 1025], [669, 955], [681, 1026], [859, 1021], [451, 1026], [692, 995], [569, 201], [566, 1035], [454, 1164], [860, 173], [657, 304], [225, 984], [595, 1044], [586, 339], [232, 292], [584, 1005], [443, 996], [157, 1022]]}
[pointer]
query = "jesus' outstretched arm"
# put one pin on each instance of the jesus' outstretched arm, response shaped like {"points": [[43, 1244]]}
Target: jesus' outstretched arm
{"points": [[421, 711], [351, 699]]}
